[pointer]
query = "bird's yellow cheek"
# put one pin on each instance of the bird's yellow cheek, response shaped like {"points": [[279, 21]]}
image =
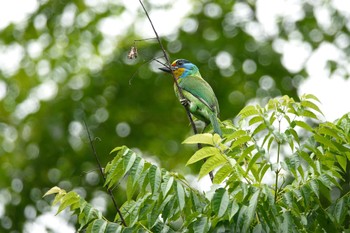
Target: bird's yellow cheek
{"points": [[178, 72]]}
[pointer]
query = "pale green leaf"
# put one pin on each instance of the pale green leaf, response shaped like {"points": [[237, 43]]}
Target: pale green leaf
{"points": [[310, 96], [247, 151], [237, 134], [240, 141], [54, 190], [307, 113], [311, 105], [248, 111], [303, 125], [255, 120], [116, 149], [205, 138], [325, 142], [212, 163], [203, 153], [342, 160], [222, 173], [68, 200], [259, 128], [252, 162]]}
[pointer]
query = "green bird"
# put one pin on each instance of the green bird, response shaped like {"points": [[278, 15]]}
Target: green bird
{"points": [[201, 98]]}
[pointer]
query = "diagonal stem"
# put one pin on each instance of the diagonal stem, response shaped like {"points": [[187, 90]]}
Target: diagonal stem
{"points": [[103, 175], [175, 81]]}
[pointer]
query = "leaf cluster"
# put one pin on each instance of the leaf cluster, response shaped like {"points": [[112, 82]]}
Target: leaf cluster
{"points": [[279, 169]]}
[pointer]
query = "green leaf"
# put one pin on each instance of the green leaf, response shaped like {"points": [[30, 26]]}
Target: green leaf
{"points": [[314, 187], [169, 209], [119, 148], [222, 173], [134, 175], [166, 186], [203, 153], [309, 104], [205, 138], [303, 125], [240, 141], [342, 160], [341, 209], [326, 130], [325, 142], [287, 224], [220, 202], [294, 134], [237, 134], [307, 158], [252, 162], [68, 200], [248, 111], [154, 176], [180, 194], [54, 190], [97, 226], [201, 225], [251, 210], [233, 209], [129, 161], [212, 163], [307, 113], [259, 128], [247, 151], [255, 119], [310, 96]]}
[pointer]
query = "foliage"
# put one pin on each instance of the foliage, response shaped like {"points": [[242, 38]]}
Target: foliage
{"points": [[280, 169]]}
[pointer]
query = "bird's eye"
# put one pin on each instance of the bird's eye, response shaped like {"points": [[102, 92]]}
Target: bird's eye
{"points": [[180, 63]]}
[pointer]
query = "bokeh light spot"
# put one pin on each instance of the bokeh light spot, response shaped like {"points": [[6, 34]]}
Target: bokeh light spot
{"points": [[123, 129], [249, 66]]}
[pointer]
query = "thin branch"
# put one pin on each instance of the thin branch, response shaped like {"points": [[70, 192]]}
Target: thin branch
{"points": [[169, 66], [175, 81], [278, 161], [103, 175]]}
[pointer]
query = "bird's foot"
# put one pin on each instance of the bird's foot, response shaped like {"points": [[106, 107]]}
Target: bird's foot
{"points": [[184, 102]]}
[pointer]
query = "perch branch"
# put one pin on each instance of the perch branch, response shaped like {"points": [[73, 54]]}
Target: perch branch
{"points": [[175, 81]]}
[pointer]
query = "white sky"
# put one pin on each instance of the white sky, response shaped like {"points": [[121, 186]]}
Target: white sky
{"points": [[334, 93]]}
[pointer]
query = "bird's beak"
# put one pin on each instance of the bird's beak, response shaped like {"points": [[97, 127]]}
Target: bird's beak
{"points": [[165, 69]]}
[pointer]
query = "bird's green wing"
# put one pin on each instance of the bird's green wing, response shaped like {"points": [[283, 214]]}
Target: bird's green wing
{"points": [[199, 88]]}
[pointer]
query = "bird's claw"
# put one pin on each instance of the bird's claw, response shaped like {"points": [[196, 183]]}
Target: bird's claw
{"points": [[184, 102]]}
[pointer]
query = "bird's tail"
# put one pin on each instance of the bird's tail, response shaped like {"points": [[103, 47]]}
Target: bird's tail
{"points": [[215, 123]]}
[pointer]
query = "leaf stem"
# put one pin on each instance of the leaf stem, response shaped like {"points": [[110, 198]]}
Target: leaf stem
{"points": [[278, 160]]}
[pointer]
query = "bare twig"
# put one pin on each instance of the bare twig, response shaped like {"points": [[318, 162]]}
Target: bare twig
{"points": [[168, 65], [103, 175]]}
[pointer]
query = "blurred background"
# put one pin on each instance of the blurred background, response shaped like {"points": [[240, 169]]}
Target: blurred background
{"points": [[65, 61]]}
